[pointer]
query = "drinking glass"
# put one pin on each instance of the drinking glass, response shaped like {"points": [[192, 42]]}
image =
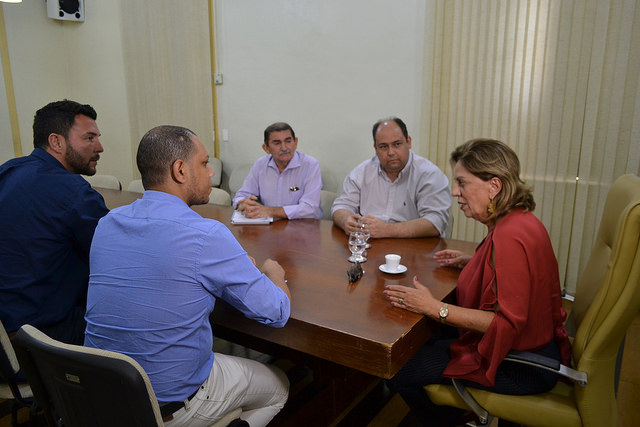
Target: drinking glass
{"points": [[365, 231], [357, 244]]}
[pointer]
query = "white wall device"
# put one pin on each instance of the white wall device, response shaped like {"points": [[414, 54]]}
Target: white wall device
{"points": [[66, 10]]}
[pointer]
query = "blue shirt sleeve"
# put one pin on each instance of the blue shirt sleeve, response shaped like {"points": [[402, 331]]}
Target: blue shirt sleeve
{"points": [[228, 273]]}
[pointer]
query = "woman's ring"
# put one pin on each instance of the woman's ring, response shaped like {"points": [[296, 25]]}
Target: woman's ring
{"points": [[400, 301]]}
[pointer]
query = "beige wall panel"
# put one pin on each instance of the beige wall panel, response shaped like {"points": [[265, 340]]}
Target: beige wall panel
{"points": [[6, 136], [166, 51]]}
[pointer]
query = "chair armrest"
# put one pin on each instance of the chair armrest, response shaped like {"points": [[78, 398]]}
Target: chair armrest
{"points": [[547, 363], [533, 359], [527, 358]]}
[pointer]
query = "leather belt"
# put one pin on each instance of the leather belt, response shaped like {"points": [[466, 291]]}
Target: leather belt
{"points": [[167, 409]]}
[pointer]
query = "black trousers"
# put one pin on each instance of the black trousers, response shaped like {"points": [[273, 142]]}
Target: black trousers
{"points": [[68, 331], [428, 364]]}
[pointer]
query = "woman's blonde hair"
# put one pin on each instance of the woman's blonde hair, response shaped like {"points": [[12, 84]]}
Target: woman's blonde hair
{"points": [[488, 158]]}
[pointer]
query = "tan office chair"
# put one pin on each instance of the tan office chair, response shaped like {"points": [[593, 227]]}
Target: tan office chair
{"points": [[449, 231], [326, 202], [219, 197], [216, 165], [85, 386], [12, 387], [104, 181], [135, 186], [237, 177], [606, 302], [329, 180]]}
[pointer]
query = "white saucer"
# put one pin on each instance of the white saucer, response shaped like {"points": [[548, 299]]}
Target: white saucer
{"points": [[401, 269]]}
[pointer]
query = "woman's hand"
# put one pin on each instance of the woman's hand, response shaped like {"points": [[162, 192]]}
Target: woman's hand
{"points": [[451, 258], [421, 301], [418, 299]]}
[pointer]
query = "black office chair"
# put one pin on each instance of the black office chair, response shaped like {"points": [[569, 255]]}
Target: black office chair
{"points": [[84, 386], [12, 387]]}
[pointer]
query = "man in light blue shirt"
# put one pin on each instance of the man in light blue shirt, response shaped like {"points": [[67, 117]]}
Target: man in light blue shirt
{"points": [[283, 184], [157, 269]]}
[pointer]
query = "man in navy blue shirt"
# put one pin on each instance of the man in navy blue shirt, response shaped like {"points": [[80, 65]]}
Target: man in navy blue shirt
{"points": [[48, 214]]}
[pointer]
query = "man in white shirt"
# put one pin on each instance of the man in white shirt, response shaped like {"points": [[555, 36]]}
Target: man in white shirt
{"points": [[396, 193], [283, 184]]}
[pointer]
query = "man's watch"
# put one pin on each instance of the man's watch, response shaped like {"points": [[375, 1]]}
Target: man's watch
{"points": [[444, 312]]}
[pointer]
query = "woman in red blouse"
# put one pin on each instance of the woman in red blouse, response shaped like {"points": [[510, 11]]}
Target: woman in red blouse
{"points": [[508, 293]]}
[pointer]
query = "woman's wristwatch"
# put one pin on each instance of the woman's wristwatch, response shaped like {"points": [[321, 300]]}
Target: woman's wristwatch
{"points": [[444, 312]]}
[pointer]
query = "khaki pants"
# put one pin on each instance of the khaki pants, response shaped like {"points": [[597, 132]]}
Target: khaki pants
{"points": [[260, 390]]}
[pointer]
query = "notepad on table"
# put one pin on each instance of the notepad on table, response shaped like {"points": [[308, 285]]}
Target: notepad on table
{"points": [[239, 218]]}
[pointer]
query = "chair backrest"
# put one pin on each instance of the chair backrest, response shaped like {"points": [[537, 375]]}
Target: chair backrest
{"points": [[136, 186], [329, 180], [236, 179], [104, 181], [608, 299], [216, 165], [86, 386], [219, 197], [9, 368], [449, 231], [326, 202]]}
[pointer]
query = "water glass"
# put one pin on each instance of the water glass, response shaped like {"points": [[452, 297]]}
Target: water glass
{"points": [[365, 231], [357, 244]]}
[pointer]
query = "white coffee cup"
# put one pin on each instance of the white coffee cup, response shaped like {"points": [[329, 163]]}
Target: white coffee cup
{"points": [[393, 261]]}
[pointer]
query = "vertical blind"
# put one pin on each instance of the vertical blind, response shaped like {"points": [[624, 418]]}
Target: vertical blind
{"points": [[558, 81], [167, 73]]}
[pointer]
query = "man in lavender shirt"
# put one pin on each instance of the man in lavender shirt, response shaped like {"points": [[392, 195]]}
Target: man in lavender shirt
{"points": [[283, 184]]}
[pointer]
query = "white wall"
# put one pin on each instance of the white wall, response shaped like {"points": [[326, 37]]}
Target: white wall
{"points": [[329, 68]]}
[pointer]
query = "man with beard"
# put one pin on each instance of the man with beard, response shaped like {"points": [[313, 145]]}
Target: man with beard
{"points": [[48, 214], [283, 184]]}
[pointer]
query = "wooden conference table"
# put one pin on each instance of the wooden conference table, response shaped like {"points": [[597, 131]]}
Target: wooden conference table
{"points": [[351, 325]]}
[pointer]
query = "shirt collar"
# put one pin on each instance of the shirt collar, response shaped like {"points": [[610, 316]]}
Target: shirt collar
{"points": [[295, 162], [162, 196], [403, 172], [47, 157]]}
